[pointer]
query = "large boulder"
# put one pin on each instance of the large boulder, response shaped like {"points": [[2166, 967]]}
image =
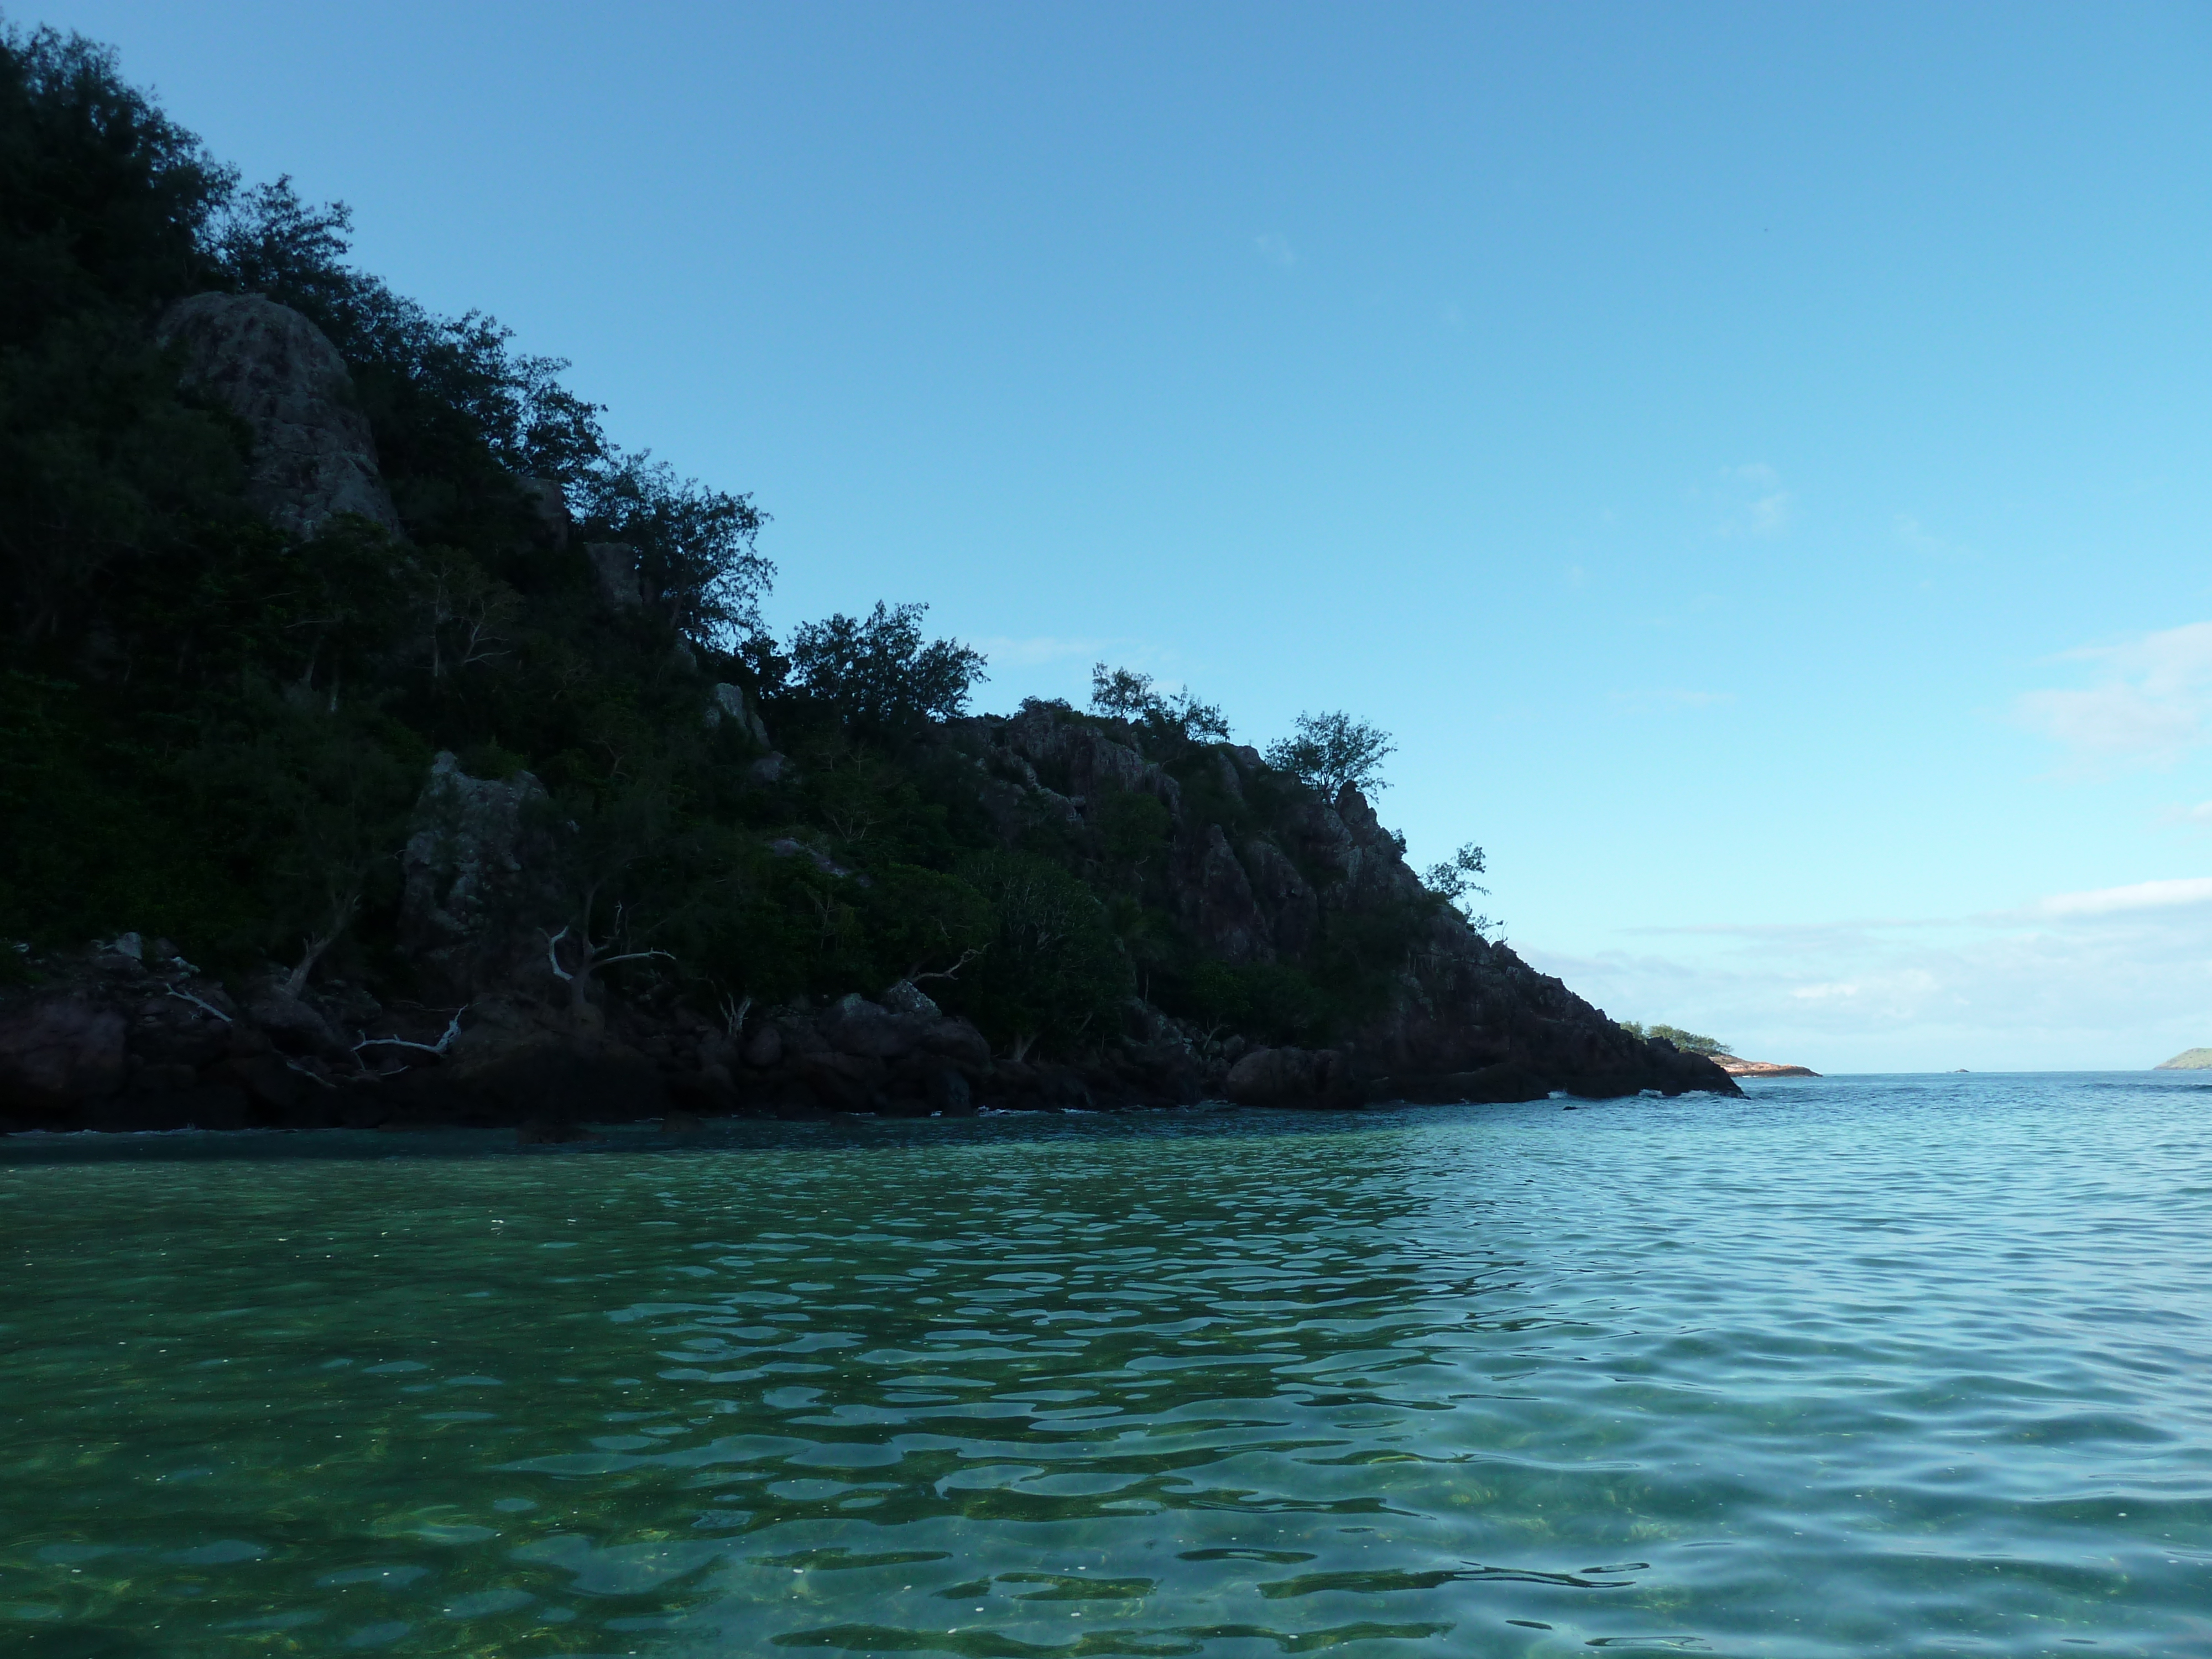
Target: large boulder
{"points": [[868, 1030], [473, 870], [1288, 1077], [730, 703], [61, 1051], [548, 504], [614, 565], [313, 455], [906, 1022]]}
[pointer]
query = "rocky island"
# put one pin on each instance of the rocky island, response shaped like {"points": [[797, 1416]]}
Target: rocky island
{"points": [[2189, 1060], [381, 745]]}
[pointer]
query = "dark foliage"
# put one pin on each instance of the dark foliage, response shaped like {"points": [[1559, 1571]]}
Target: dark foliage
{"points": [[878, 675], [1332, 752], [212, 731], [1170, 721]]}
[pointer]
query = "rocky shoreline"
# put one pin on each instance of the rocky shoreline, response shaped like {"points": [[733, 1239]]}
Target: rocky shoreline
{"points": [[130, 1036]]}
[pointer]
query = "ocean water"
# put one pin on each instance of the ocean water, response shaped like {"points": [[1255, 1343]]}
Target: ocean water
{"points": [[1854, 1366]]}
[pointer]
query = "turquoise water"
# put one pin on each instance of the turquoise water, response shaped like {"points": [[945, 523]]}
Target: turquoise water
{"points": [[1917, 1365]]}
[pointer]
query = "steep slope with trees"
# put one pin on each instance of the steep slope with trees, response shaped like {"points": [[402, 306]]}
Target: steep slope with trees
{"points": [[349, 659]]}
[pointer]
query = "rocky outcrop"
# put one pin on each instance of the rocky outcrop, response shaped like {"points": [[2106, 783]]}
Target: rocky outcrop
{"points": [[614, 567], [313, 455], [1216, 899], [730, 703], [1073, 760], [549, 505], [1291, 1077], [129, 1035], [112, 1043], [1466, 1019], [61, 1050], [474, 872]]}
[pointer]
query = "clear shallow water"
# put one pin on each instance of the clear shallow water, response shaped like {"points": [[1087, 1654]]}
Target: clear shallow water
{"points": [[1856, 1366]]}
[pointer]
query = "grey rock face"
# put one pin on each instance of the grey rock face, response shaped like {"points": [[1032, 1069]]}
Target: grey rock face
{"points": [[314, 456], [731, 703], [1283, 893], [1090, 763], [615, 565], [904, 1023], [550, 503], [1218, 901], [466, 867], [904, 999], [296, 1026]]}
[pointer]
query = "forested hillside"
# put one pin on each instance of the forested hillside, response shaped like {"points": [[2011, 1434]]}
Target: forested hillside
{"points": [[353, 667]]}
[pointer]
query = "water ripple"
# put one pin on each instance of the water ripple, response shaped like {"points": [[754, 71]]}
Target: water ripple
{"points": [[1906, 1366]]}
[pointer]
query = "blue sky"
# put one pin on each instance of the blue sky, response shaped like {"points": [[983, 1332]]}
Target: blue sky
{"points": [[1754, 457]]}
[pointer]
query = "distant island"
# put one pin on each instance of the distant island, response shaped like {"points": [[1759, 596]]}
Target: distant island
{"points": [[1735, 1067], [382, 745], [2189, 1060]]}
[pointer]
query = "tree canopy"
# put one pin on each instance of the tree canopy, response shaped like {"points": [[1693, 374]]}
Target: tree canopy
{"points": [[1333, 751], [1690, 1043]]}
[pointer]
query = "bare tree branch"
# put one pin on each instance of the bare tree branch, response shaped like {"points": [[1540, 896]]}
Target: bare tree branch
{"points": [[186, 996], [452, 1030], [966, 957]]}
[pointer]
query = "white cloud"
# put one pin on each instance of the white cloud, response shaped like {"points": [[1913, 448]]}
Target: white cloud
{"points": [[1275, 250], [2140, 895], [1769, 514], [1920, 539], [2149, 705], [2116, 977], [1753, 501]]}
